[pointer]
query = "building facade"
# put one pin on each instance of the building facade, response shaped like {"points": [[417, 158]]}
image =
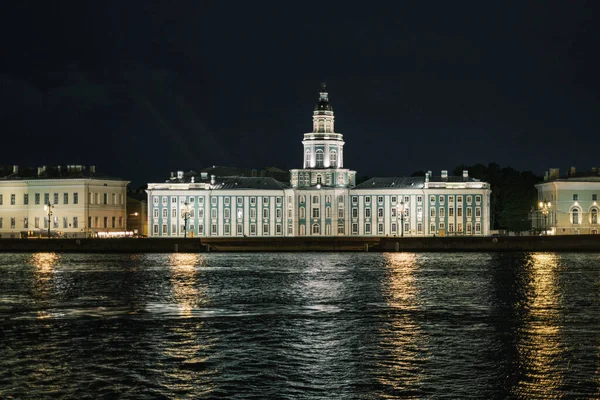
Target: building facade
{"points": [[70, 201], [321, 199], [567, 205]]}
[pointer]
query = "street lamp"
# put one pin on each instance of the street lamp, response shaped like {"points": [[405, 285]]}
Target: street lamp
{"points": [[545, 209], [185, 214], [48, 208], [401, 207]]}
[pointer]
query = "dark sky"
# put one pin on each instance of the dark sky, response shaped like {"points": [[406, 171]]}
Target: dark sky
{"points": [[140, 89]]}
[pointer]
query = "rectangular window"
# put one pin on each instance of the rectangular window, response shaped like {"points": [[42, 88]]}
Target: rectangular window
{"points": [[394, 199], [469, 212], [252, 201], [354, 228], [37, 198], [36, 222], [164, 229], [213, 213], [12, 222], [265, 229], [106, 222], [355, 213], [26, 223], [165, 213], [226, 200], [432, 212], [459, 227], [442, 212], [75, 222], [340, 229], [442, 199], [226, 213], [253, 229], [459, 212], [451, 211], [173, 213], [432, 229], [477, 227], [432, 199], [65, 222], [265, 213], [201, 202], [26, 199], [55, 222], [164, 200], [113, 222], [173, 229], [442, 225], [315, 199], [478, 212], [201, 213], [380, 199], [316, 212], [419, 227], [406, 199], [75, 198], [13, 199], [450, 227], [253, 213], [114, 198], [367, 228], [367, 213], [450, 199], [340, 213], [406, 227], [55, 198], [1, 199], [89, 222], [594, 197], [265, 201], [394, 227], [200, 229], [290, 230], [354, 199], [575, 197], [240, 229], [155, 213], [278, 213], [46, 221], [368, 199], [227, 229], [173, 200], [104, 198], [380, 229], [477, 199], [240, 201], [154, 201], [459, 199], [380, 212], [469, 199], [419, 199], [46, 198], [155, 229]]}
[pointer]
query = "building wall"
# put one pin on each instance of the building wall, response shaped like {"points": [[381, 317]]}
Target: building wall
{"points": [[574, 207], [75, 203]]}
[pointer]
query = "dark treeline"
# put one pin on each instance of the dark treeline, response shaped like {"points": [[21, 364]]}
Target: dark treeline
{"points": [[513, 194]]}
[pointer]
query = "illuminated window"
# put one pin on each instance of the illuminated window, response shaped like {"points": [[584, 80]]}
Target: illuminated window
{"points": [[333, 159], [319, 154], [575, 216], [594, 216], [13, 199]]}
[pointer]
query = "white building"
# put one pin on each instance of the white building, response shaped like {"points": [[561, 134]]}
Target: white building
{"points": [[322, 199], [82, 203], [568, 205]]}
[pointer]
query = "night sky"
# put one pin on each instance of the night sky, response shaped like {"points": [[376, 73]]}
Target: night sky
{"points": [[140, 89]]}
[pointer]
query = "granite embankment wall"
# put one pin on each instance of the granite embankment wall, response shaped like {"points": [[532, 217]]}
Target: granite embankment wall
{"points": [[589, 243]]}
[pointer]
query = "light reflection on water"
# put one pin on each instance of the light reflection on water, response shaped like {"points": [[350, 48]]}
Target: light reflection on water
{"points": [[317, 326]]}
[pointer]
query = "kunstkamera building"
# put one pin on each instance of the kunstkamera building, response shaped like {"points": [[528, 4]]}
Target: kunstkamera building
{"points": [[321, 199]]}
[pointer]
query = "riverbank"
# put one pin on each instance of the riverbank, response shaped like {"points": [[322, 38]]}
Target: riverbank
{"points": [[306, 244]]}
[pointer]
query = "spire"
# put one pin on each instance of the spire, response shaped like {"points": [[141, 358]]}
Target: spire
{"points": [[323, 103]]}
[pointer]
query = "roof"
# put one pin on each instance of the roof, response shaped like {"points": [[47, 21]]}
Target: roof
{"points": [[14, 173], [242, 182], [393, 182]]}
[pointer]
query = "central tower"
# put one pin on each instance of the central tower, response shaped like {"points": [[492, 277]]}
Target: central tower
{"points": [[323, 151], [323, 148]]}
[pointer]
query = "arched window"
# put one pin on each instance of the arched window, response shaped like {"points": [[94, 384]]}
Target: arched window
{"points": [[333, 158], [319, 154], [328, 212], [575, 216], [302, 213], [315, 229], [594, 215]]}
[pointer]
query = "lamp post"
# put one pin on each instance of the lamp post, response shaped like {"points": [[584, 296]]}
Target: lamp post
{"points": [[48, 208], [185, 214], [545, 209], [401, 207]]}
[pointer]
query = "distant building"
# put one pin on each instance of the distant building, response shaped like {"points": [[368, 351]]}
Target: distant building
{"points": [[321, 199], [137, 212], [567, 205], [82, 202]]}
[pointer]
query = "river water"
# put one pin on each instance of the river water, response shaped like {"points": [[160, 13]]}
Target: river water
{"points": [[300, 326]]}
